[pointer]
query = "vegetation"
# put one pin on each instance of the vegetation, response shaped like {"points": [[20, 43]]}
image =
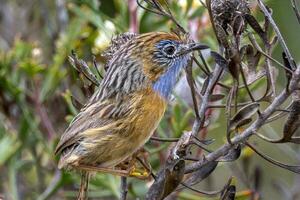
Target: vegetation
{"points": [[38, 87]]}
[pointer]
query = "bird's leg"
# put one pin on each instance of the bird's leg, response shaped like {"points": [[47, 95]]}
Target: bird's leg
{"points": [[144, 169], [85, 176], [142, 157]]}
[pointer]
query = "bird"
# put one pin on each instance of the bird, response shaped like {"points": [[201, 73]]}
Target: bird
{"points": [[127, 107]]}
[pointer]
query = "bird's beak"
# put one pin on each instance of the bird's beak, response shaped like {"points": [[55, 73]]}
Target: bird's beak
{"points": [[193, 47], [197, 46]]}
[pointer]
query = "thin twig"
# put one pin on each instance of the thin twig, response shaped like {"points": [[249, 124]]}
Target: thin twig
{"points": [[259, 49], [204, 62], [198, 124], [224, 106], [96, 67], [200, 66], [278, 33], [124, 189], [203, 4], [164, 139], [292, 168], [296, 10], [191, 82], [247, 88], [279, 115], [201, 146], [207, 193]]}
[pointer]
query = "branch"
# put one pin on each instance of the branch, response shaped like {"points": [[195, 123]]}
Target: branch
{"points": [[124, 189], [163, 185], [198, 124], [223, 150], [278, 33]]}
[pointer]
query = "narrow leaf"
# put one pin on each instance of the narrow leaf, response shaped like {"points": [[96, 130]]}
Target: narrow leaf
{"points": [[292, 168], [292, 123], [216, 97], [167, 180], [229, 193], [232, 155], [243, 114], [202, 173], [220, 60], [256, 27]]}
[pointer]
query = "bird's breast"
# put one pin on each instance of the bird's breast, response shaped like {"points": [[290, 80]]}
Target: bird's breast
{"points": [[150, 109]]}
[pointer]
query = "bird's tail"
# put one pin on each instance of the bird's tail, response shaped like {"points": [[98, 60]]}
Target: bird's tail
{"points": [[82, 195]]}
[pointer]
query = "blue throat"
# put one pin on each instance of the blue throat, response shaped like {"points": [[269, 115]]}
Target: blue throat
{"points": [[165, 84]]}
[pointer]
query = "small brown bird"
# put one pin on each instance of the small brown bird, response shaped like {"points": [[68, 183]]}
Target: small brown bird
{"points": [[130, 102]]}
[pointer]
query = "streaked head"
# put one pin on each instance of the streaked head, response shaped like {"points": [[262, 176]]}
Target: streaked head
{"points": [[163, 56], [160, 51], [154, 58]]}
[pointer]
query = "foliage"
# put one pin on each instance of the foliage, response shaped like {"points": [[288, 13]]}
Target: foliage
{"points": [[37, 84]]}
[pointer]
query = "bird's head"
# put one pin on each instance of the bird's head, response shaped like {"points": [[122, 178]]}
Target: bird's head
{"points": [[163, 56], [156, 58]]}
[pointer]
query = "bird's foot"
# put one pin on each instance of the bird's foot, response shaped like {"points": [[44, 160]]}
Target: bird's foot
{"points": [[139, 173]]}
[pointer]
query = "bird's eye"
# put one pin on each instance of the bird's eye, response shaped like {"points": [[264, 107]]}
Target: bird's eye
{"points": [[169, 50]]}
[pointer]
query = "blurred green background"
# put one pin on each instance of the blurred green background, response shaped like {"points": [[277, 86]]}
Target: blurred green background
{"points": [[36, 83]]}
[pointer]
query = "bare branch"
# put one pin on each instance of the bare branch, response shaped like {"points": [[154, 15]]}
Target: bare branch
{"points": [[124, 189], [278, 33]]}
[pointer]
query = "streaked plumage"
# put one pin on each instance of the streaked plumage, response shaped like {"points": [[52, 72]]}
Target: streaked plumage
{"points": [[123, 113]]}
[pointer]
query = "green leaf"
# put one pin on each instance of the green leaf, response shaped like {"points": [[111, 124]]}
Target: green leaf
{"points": [[56, 73], [86, 14], [9, 145], [31, 68]]}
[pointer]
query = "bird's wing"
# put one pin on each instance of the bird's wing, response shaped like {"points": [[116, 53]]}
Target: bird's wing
{"points": [[95, 115]]}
